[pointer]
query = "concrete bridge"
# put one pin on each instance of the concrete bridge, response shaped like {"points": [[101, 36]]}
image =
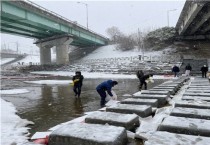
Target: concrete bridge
{"points": [[28, 19], [194, 21]]}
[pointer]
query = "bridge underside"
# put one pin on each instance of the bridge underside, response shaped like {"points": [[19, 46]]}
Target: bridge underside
{"points": [[23, 27], [195, 23], [27, 19], [21, 18]]}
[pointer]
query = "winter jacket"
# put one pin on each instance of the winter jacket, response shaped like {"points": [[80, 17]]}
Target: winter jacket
{"points": [[175, 69], [145, 77], [78, 79], [139, 74], [106, 86], [188, 67], [204, 69]]}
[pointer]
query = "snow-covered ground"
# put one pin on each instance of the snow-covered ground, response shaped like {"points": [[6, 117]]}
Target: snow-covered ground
{"points": [[13, 91], [6, 60], [34, 59], [95, 75], [13, 130], [13, 127], [50, 82], [110, 51]]}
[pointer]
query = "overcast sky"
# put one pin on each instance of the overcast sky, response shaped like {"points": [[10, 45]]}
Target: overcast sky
{"points": [[128, 16]]}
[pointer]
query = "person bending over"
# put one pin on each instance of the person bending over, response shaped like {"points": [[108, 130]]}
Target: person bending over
{"points": [[104, 87], [143, 81]]}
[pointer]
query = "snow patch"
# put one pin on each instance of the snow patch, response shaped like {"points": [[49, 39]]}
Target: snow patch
{"points": [[13, 128], [112, 52], [6, 60], [14, 91], [50, 82]]}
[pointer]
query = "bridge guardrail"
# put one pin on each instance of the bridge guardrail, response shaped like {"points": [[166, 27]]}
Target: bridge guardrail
{"points": [[53, 13]]}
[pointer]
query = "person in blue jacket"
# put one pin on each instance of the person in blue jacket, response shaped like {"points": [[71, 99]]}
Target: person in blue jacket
{"points": [[103, 87]]}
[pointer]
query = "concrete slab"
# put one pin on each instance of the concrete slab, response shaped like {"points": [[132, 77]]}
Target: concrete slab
{"points": [[199, 84], [141, 110], [193, 104], [184, 125], [151, 102], [196, 98], [88, 134], [166, 138], [191, 113], [155, 92], [197, 91], [200, 87], [162, 99], [196, 94], [171, 91], [201, 81], [170, 85], [129, 121], [165, 87]]}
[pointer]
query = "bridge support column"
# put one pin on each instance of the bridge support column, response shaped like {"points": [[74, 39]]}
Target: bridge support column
{"points": [[62, 44], [45, 55], [62, 55]]}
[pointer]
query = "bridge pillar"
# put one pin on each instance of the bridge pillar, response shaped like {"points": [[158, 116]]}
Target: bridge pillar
{"points": [[61, 43], [62, 55], [45, 55]]}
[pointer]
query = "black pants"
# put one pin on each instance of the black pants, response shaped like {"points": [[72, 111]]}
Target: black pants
{"points": [[142, 82], [204, 74], [77, 90], [102, 93], [175, 74]]}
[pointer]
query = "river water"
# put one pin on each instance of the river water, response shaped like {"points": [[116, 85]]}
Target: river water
{"points": [[49, 105]]}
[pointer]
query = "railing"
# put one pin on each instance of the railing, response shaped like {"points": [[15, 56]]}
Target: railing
{"points": [[63, 18]]}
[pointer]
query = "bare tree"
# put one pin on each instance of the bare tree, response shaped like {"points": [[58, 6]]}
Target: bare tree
{"points": [[126, 43], [114, 33]]}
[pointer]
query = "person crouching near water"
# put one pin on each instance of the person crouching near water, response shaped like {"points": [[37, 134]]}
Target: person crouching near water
{"points": [[77, 81], [143, 81], [103, 87]]}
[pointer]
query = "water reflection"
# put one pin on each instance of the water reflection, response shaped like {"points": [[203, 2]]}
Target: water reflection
{"points": [[48, 106], [78, 106]]}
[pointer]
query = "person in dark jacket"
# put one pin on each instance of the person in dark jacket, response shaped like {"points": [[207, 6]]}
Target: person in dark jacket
{"points": [[103, 87], [204, 70], [77, 81], [175, 70], [139, 74], [188, 69], [143, 81]]}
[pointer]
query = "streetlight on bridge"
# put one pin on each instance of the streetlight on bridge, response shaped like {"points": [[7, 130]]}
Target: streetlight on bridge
{"points": [[168, 15], [86, 10]]}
